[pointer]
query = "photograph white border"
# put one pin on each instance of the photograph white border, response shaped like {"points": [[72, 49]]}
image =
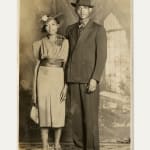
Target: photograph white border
{"points": [[9, 75]]}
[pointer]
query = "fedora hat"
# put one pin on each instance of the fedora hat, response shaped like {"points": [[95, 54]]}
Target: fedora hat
{"points": [[82, 3]]}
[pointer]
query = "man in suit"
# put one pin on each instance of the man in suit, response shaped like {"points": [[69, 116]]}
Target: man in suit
{"points": [[87, 58]]}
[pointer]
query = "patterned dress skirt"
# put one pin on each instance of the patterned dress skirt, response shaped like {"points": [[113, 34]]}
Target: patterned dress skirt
{"points": [[50, 82]]}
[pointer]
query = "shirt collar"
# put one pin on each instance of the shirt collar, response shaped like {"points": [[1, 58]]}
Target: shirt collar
{"points": [[83, 23]]}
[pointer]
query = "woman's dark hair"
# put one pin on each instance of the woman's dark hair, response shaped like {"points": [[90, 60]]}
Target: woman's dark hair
{"points": [[43, 29]]}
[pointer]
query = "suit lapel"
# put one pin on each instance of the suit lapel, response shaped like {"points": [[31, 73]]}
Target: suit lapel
{"points": [[84, 33], [75, 36]]}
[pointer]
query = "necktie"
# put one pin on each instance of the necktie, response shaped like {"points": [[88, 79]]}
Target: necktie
{"points": [[81, 27]]}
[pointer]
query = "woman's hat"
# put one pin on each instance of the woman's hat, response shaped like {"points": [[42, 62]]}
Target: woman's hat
{"points": [[82, 3], [46, 18]]}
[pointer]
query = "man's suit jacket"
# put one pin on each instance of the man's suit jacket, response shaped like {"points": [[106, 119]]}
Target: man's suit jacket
{"points": [[87, 53]]}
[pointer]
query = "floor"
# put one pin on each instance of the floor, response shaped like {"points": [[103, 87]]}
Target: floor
{"points": [[103, 146]]}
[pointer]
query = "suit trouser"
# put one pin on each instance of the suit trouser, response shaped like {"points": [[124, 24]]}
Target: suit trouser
{"points": [[84, 116]]}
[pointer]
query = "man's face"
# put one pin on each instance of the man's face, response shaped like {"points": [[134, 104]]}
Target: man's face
{"points": [[84, 11]]}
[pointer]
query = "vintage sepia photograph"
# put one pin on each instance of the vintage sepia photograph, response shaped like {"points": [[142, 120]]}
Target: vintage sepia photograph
{"points": [[75, 75]]}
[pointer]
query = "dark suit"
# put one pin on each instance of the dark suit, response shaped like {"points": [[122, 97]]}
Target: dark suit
{"points": [[87, 57], [87, 54]]}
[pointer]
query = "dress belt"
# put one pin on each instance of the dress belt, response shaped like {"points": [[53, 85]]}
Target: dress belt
{"points": [[51, 63]]}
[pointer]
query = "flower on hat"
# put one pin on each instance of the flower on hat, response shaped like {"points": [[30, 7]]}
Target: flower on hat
{"points": [[44, 18]]}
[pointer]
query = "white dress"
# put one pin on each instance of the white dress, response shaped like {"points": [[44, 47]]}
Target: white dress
{"points": [[50, 82]]}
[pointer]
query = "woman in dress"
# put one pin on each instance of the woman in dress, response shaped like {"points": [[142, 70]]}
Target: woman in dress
{"points": [[49, 92]]}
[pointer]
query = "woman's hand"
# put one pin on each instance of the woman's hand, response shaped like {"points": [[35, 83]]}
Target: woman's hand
{"points": [[34, 104], [63, 93], [34, 100]]}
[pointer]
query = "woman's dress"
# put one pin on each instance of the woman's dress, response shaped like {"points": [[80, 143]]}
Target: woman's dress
{"points": [[49, 81]]}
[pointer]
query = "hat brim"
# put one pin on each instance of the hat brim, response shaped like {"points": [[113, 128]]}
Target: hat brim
{"points": [[75, 5], [59, 17], [56, 16]]}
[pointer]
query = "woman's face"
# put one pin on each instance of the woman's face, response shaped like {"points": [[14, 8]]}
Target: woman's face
{"points": [[52, 27], [84, 11]]}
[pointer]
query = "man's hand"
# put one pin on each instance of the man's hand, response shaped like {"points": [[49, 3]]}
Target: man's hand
{"points": [[92, 85]]}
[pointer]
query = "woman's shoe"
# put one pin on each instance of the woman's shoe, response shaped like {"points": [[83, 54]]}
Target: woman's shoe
{"points": [[48, 148], [57, 147], [51, 147]]}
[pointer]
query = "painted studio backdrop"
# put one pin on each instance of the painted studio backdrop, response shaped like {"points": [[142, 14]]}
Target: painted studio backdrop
{"points": [[115, 95]]}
